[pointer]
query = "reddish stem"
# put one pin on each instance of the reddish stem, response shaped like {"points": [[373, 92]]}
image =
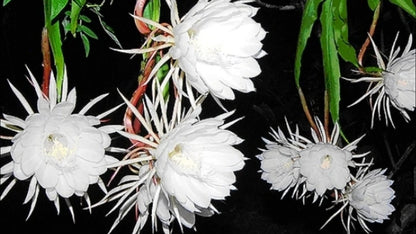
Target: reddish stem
{"points": [[46, 53], [367, 40], [138, 10], [131, 123]]}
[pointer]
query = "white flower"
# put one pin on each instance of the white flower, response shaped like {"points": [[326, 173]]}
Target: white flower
{"points": [[62, 152], [196, 162], [280, 166], [396, 85], [180, 167], [216, 45], [325, 167], [371, 197]]}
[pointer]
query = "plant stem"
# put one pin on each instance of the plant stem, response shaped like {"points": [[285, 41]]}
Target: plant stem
{"points": [[307, 113], [46, 54], [326, 115], [367, 40]]}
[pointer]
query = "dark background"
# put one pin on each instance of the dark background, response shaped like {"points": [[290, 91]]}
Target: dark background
{"points": [[253, 208]]}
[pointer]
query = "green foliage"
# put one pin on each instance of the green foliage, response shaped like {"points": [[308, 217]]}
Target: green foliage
{"points": [[334, 42], [161, 74], [373, 4], [340, 24], [310, 14], [330, 59], [76, 7], [5, 2], [51, 9], [407, 5], [56, 7], [152, 11]]}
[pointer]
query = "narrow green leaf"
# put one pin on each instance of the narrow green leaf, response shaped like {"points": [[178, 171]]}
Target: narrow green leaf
{"points": [[58, 56], [407, 5], [76, 7], [57, 6], [88, 31], [373, 4], [5, 2], [330, 59], [310, 14], [161, 74], [85, 18], [152, 11], [109, 31], [340, 23], [86, 44]]}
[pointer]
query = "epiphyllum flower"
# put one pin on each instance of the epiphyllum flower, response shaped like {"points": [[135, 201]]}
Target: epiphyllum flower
{"points": [[216, 45], [316, 166], [396, 86], [179, 166], [280, 166], [369, 195], [325, 166], [59, 151]]}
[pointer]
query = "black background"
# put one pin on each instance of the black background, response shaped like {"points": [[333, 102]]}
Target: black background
{"points": [[253, 208]]}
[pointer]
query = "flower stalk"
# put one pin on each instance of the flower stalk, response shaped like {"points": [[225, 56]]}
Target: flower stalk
{"points": [[367, 40], [46, 54], [306, 111]]}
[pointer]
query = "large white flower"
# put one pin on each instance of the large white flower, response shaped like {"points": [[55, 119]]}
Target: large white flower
{"points": [[216, 45], [196, 162], [61, 152], [325, 167], [371, 197], [396, 85], [180, 165]]}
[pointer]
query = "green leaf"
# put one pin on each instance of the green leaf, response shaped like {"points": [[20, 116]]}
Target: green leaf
{"points": [[161, 74], [152, 11], [310, 14], [85, 18], [407, 5], [58, 56], [330, 59], [86, 44], [88, 31], [109, 31], [76, 7], [340, 23], [57, 6], [373, 4], [5, 2]]}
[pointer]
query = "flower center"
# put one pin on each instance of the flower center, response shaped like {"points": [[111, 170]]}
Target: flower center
{"points": [[56, 147], [326, 161], [185, 163], [206, 47]]}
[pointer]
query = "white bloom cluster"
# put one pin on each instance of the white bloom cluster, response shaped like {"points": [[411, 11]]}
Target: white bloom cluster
{"points": [[59, 151], [321, 166], [316, 166], [396, 85]]}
